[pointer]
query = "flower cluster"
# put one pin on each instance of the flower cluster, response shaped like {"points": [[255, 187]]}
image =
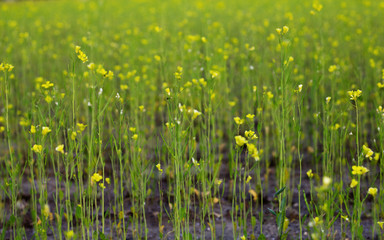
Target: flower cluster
{"points": [[354, 94], [359, 170], [6, 67], [80, 54]]}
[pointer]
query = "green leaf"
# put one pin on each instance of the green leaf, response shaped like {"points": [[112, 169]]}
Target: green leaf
{"points": [[61, 195], [12, 220], [188, 236], [360, 232], [78, 212], [285, 236], [279, 191], [334, 220], [261, 237], [282, 206], [273, 212], [102, 236], [182, 213], [304, 218], [280, 221], [253, 221]]}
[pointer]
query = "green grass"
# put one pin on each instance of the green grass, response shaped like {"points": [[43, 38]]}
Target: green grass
{"points": [[153, 102]]}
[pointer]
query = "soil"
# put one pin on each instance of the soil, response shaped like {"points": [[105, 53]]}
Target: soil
{"points": [[223, 231]]}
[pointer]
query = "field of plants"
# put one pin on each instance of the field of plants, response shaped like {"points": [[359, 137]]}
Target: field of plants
{"points": [[176, 119]]}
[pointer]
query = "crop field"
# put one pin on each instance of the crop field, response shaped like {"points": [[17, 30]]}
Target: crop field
{"points": [[176, 119]]}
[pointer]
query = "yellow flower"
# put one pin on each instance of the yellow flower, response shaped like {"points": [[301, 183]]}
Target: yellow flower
{"points": [[359, 170], [37, 148], [345, 217], [240, 140], [353, 183], [81, 127], [278, 30], [47, 85], [6, 67], [249, 178], [218, 182], [33, 129], [102, 185], [300, 88], [335, 127], [179, 73], [214, 73], [196, 163], [45, 130], [24, 122], [91, 66], [69, 234], [354, 94], [250, 116], [253, 194], [60, 148], [81, 55], [317, 6], [159, 167], [48, 99], [327, 100], [310, 173], [108, 180], [381, 224], [77, 49], [285, 29], [9, 67], [100, 70], [250, 135], [169, 125], [380, 110], [135, 136], [253, 152], [372, 191], [368, 153], [73, 136], [332, 68], [195, 114], [238, 120], [242, 237], [96, 177], [46, 211], [202, 82], [285, 225], [317, 221], [327, 181], [109, 75], [157, 58]]}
